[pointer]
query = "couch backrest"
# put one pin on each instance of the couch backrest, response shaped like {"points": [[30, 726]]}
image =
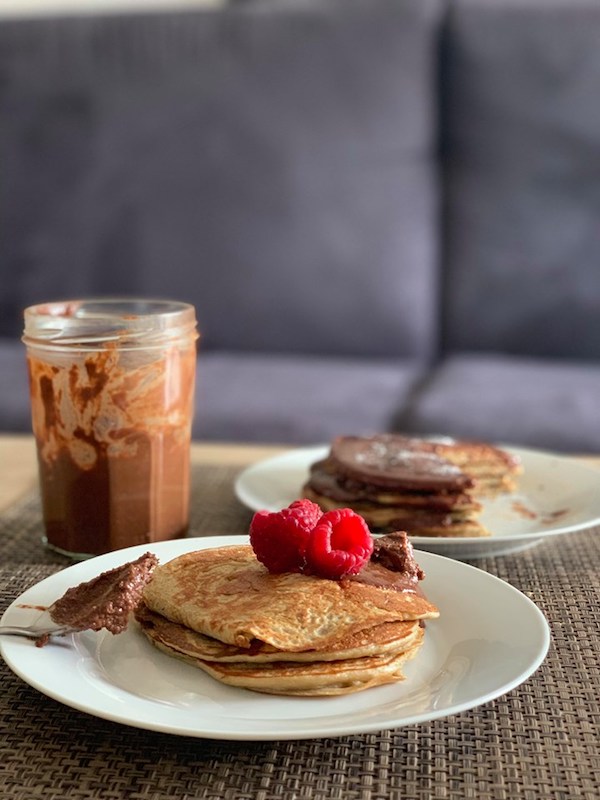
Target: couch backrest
{"points": [[521, 127], [270, 162]]}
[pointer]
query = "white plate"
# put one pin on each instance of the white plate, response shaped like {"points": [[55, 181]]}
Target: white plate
{"points": [[556, 495], [473, 653]]}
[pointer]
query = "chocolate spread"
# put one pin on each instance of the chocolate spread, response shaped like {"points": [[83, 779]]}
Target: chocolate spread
{"points": [[395, 552], [113, 437], [390, 460], [107, 600], [326, 481], [392, 565]]}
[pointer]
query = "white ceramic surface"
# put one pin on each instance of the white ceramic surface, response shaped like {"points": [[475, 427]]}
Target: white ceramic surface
{"points": [[556, 495], [472, 654]]}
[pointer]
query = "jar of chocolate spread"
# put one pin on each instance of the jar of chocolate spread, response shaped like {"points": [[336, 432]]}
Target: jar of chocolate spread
{"points": [[112, 398]]}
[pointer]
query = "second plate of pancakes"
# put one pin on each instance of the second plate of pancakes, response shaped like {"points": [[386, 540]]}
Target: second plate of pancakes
{"points": [[554, 495]]}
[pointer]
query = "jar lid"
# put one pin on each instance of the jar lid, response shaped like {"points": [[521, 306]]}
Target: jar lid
{"points": [[94, 323]]}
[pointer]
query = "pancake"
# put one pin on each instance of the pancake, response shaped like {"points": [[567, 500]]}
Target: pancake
{"points": [[387, 638], [326, 481], [394, 460], [221, 611], [382, 519], [389, 461], [319, 678], [226, 594]]}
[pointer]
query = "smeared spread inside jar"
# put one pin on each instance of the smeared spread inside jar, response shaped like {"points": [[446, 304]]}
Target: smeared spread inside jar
{"points": [[107, 600]]}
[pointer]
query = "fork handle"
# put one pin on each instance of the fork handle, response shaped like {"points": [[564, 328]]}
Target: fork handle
{"points": [[31, 633], [10, 630]]}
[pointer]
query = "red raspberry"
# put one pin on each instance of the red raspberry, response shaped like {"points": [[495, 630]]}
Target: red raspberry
{"points": [[340, 544], [306, 512], [279, 538]]}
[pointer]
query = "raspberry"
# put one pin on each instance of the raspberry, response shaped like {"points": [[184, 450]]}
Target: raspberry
{"points": [[306, 512], [340, 544], [279, 538]]}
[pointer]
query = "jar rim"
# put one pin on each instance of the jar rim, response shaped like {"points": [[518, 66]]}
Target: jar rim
{"points": [[129, 322]]}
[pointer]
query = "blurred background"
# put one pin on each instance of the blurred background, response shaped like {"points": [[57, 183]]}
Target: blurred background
{"points": [[386, 212]]}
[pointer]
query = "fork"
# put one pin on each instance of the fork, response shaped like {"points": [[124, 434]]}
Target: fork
{"points": [[36, 633]]}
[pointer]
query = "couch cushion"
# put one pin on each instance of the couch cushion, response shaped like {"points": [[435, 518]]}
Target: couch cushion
{"points": [[297, 400], [260, 398], [15, 410], [270, 162], [547, 404], [521, 144]]}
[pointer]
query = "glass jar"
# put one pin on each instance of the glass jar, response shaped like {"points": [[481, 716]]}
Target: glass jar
{"points": [[112, 400]]}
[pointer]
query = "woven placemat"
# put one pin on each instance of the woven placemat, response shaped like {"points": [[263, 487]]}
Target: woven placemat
{"points": [[538, 741]]}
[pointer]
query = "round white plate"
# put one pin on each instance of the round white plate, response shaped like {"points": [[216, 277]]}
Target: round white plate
{"points": [[472, 654], [556, 495]]}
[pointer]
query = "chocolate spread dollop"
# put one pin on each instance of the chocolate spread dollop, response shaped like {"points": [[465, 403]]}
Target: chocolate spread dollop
{"points": [[107, 600], [392, 565], [395, 552]]}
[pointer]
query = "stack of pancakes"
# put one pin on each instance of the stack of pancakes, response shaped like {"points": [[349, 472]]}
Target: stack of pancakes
{"points": [[425, 487], [222, 611]]}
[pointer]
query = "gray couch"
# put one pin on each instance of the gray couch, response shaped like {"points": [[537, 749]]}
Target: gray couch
{"points": [[387, 212]]}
